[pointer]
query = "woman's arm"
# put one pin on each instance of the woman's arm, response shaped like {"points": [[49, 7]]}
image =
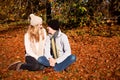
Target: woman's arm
{"points": [[28, 48]]}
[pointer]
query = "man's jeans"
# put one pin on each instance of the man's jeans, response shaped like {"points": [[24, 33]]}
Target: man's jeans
{"points": [[58, 67]]}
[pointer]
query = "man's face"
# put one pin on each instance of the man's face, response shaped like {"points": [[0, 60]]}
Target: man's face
{"points": [[49, 29]]}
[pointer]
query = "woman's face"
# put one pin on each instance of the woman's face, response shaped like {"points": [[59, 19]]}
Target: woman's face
{"points": [[40, 26]]}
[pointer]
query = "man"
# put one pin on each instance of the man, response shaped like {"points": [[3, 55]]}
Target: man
{"points": [[57, 48]]}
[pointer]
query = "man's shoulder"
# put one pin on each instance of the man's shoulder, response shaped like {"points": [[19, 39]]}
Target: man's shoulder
{"points": [[63, 34]]}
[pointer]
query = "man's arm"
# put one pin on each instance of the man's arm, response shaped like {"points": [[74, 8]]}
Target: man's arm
{"points": [[66, 48]]}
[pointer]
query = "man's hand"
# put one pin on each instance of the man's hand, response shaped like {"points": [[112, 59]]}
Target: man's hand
{"points": [[52, 62]]}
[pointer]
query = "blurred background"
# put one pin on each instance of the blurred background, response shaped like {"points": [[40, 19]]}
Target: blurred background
{"points": [[71, 13]]}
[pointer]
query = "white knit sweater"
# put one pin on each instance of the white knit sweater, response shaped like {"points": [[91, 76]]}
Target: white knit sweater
{"points": [[34, 49]]}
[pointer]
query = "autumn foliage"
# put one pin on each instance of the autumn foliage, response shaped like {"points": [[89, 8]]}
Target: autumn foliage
{"points": [[98, 58]]}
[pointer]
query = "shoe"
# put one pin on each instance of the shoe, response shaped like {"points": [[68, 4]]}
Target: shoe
{"points": [[18, 67], [15, 66], [41, 67], [65, 70]]}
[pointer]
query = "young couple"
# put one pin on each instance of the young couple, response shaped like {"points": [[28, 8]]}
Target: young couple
{"points": [[44, 50]]}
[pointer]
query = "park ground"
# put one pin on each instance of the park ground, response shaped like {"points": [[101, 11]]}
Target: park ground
{"points": [[98, 57]]}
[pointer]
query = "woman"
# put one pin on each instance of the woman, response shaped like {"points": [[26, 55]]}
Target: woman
{"points": [[34, 40]]}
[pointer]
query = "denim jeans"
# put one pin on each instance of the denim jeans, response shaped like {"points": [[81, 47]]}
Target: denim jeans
{"points": [[58, 67]]}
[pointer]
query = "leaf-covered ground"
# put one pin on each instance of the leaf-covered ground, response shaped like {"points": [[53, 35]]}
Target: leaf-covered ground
{"points": [[98, 58]]}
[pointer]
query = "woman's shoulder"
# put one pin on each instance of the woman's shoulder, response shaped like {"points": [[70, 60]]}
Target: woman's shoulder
{"points": [[26, 35]]}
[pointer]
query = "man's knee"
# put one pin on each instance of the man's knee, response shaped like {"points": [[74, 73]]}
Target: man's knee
{"points": [[40, 59], [73, 58]]}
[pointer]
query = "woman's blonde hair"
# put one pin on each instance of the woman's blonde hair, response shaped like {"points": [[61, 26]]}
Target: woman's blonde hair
{"points": [[35, 33]]}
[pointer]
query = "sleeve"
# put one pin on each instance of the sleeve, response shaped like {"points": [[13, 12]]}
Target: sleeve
{"points": [[66, 50], [28, 48], [47, 48]]}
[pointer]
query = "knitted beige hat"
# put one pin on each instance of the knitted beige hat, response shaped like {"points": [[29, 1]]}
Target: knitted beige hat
{"points": [[35, 20]]}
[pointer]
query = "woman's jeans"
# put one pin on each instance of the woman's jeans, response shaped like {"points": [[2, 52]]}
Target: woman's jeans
{"points": [[31, 64], [58, 67]]}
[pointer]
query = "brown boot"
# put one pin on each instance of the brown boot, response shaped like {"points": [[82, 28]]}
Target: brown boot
{"points": [[15, 66], [18, 66]]}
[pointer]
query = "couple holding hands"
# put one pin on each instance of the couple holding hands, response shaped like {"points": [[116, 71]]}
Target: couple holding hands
{"points": [[45, 50]]}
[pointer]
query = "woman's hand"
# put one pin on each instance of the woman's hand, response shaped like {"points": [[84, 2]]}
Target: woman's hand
{"points": [[52, 62]]}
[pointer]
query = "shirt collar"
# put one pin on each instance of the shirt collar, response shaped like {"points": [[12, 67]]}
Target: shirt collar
{"points": [[57, 34]]}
